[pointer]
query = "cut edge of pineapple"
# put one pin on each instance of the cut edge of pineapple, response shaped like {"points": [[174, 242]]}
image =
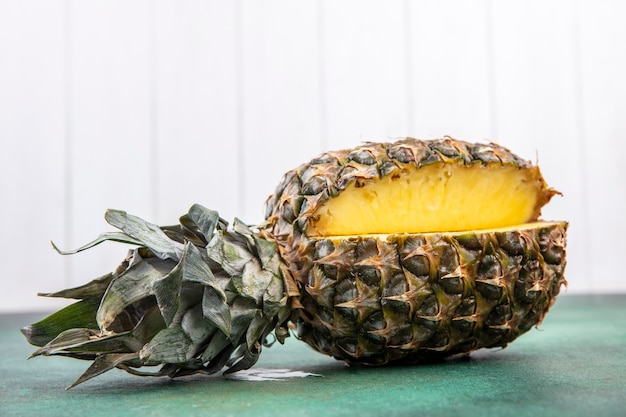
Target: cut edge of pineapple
{"points": [[539, 224]]}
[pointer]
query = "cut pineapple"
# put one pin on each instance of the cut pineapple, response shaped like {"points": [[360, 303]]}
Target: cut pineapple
{"points": [[416, 249], [386, 253]]}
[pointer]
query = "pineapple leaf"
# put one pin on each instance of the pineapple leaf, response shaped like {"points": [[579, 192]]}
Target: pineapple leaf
{"points": [[274, 296], [206, 220], [131, 286], [67, 339], [267, 251], [109, 236], [226, 251], [257, 328], [242, 313], [150, 324], [253, 281], [218, 343], [95, 288], [284, 313], [150, 235], [215, 309], [105, 343], [196, 326], [281, 333], [81, 314], [167, 291], [244, 358], [180, 233], [197, 270], [102, 364], [76, 338], [171, 345], [242, 231]]}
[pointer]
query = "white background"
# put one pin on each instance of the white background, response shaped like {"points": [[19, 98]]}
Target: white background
{"points": [[150, 106]]}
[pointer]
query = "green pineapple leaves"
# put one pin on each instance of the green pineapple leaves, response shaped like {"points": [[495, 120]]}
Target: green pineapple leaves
{"points": [[193, 298], [77, 315], [150, 235]]}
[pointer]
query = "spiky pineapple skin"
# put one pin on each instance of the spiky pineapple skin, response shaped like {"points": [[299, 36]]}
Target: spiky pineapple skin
{"points": [[409, 298]]}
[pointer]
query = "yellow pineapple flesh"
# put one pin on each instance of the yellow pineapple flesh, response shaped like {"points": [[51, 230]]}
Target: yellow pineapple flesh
{"points": [[437, 197]]}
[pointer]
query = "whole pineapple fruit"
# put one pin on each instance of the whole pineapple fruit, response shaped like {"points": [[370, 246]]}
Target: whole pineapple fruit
{"points": [[387, 253]]}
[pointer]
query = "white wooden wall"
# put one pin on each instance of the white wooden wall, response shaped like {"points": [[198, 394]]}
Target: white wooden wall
{"points": [[150, 106]]}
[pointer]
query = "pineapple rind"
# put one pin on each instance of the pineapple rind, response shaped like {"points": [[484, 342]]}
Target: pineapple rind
{"points": [[407, 298]]}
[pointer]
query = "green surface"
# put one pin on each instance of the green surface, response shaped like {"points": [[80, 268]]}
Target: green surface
{"points": [[574, 365]]}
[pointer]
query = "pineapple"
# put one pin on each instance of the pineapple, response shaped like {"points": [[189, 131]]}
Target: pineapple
{"points": [[387, 253]]}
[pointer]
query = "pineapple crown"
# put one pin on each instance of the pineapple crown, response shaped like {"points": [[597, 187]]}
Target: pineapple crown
{"points": [[194, 298]]}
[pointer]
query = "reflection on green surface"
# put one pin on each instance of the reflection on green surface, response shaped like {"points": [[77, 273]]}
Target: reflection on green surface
{"points": [[574, 365]]}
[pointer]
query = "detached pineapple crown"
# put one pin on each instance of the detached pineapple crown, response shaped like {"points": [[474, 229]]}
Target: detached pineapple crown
{"points": [[387, 253]]}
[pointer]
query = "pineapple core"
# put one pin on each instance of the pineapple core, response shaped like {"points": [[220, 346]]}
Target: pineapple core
{"points": [[440, 197]]}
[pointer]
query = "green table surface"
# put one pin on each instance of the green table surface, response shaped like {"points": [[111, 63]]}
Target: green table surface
{"points": [[573, 365]]}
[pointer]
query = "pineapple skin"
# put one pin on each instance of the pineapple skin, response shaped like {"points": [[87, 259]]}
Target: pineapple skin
{"points": [[411, 297]]}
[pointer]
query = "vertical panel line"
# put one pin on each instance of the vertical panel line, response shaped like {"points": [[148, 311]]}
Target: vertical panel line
{"points": [[408, 52], [153, 111], [581, 139], [321, 74], [491, 69], [239, 103], [68, 140]]}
